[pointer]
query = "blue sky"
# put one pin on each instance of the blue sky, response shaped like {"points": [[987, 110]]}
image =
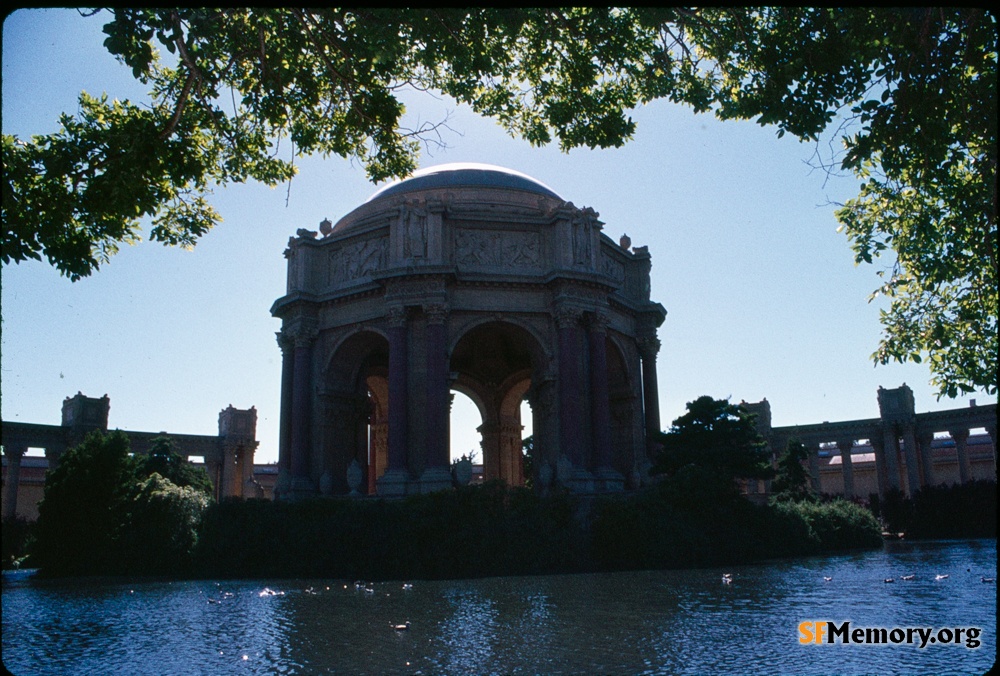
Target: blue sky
{"points": [[763, 297]]}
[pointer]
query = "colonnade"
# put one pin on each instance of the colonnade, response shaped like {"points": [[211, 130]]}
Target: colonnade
{"points": [[901, 441]]}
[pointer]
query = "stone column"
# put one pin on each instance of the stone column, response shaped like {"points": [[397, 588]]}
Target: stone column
{"points": [[284, 481], [992, 431], [511, 463], [226, 470], [912, 461], [13, 454], [544, 432], [924, 442], [890, 446], [648, 349], [248, 489], [490, 433], [394, 481], [436, 474], [600, 405], [377, 455], [881, 474], [813, 460], [961, 436], [570, 386], [845, 446], [302, 484]]}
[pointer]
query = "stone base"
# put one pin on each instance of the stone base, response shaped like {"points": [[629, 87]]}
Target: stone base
{"points": [[435, 479], [580, 481], [609, 481], [302, 488], [392, 484], [283, 485]]}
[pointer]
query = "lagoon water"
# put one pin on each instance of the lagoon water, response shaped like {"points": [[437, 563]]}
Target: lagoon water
{"points": [[651, 622]]}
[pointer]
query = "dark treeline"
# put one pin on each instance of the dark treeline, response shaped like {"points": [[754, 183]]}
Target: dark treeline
{"points": [[957, 511], [494, 530], [108, 512]]}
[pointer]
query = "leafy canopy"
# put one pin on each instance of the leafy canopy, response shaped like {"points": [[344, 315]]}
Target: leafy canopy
{"points": [[912, 92], [791, 479], [106, 511], [163, 459], [717, 436]]}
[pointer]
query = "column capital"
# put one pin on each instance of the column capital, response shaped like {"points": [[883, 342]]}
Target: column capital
{"points": [[598, 322], [567, 317], [541, 396], [960, 433], [300, 333], [396, 316], [437, 313], [14, 452], [285, 341], [649, 347]]}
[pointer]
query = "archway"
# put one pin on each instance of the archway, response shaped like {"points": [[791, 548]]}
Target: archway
{"points": [[493, 363], [354, 402]]}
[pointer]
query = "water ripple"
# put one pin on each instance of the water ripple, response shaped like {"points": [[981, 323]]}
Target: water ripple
{"points": [[655, 622]]}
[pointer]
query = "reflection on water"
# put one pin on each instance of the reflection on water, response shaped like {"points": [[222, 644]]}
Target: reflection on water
{"points": [[629, 623]]}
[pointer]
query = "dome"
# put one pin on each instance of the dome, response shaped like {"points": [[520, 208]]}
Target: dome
{"points": [[465, 175]]}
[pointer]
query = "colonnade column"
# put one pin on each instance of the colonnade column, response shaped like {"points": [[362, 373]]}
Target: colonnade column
{"points": [[302, 485], [438, 405], [890, 456], [14, 455], [284, 481], [393, 482], [924, 442], [912, 463], [648, 349], [961, 436], [230, 472], [570, 386], [992, 431], [813, 460], [845, 446], [600, 404]]}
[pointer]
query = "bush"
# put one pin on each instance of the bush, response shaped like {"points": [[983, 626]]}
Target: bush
{"points": [[470, 531], [834, 526], [956, 511], [161, 526], [18, 539]]}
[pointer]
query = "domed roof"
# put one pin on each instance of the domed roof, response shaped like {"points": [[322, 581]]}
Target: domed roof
{"points": [[465, 175]]}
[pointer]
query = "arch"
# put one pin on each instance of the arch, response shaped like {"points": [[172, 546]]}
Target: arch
{"points": [[622, 398], [353, 409], [542, 354], [494, 363]]}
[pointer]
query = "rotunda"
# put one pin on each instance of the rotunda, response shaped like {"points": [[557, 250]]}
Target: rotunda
{"points": [[481, 280]]}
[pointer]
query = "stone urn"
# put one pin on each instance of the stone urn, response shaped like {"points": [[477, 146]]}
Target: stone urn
{"points": [[355, 475]]}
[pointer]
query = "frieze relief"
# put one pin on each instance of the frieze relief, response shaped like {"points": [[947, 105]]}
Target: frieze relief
{"points": [[613, 269], [497, 249], [357, 259]]}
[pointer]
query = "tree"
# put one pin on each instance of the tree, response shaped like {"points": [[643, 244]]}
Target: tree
{"points": [[247, 90], [163, 459], [791, 480], [162, 525], [84, 507], [719, 439], [104, 512]]}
